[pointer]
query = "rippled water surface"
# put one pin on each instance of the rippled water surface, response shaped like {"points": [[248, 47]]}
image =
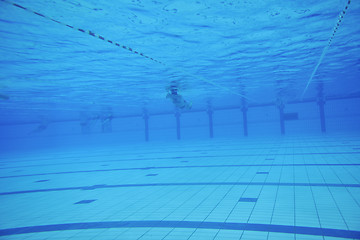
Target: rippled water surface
{"points": [[215, 50]]}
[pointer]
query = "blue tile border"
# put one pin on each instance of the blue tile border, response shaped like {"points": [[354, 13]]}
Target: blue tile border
{"points": [[151, 175], [329, 232], [262, 172], [102, 186]]}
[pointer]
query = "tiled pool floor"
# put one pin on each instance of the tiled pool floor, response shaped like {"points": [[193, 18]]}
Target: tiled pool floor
{"points": [[284, 188]]}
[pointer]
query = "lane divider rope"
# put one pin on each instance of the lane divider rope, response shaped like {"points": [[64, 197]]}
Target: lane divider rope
{"points": [[90, 33], [341, 16], [93, 34]]}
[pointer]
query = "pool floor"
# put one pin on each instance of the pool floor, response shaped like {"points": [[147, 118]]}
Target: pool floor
{"points": [[275, 188]]}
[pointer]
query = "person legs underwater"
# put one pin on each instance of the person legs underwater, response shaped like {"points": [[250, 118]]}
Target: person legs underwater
{"points": [[177, 99]]}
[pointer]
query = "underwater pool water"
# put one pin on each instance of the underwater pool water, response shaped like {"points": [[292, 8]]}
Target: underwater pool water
{"points": [[179, 119]]}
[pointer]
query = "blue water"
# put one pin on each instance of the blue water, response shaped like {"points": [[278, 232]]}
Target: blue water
{"points": [[91, 147]]}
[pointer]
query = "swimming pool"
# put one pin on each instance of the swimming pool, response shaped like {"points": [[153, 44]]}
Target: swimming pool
{"points": [[165, 120]]}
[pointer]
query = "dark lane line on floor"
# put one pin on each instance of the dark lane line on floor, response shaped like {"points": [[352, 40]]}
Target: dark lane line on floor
{"points": [[189, 166], [180, 157], [208, 148], [314, 231], [105, 186]]}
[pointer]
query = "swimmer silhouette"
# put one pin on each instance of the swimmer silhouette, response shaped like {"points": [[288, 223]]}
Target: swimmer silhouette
{"points": [[176, 98]]}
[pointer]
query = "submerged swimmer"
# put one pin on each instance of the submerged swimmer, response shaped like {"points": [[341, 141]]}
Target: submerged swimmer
{"points": [[177, 99]]}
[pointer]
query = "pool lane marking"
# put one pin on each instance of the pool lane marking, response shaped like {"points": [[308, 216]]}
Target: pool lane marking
{"points": [[168, 158], [105, 186], [314, 231], [178, 167]]}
